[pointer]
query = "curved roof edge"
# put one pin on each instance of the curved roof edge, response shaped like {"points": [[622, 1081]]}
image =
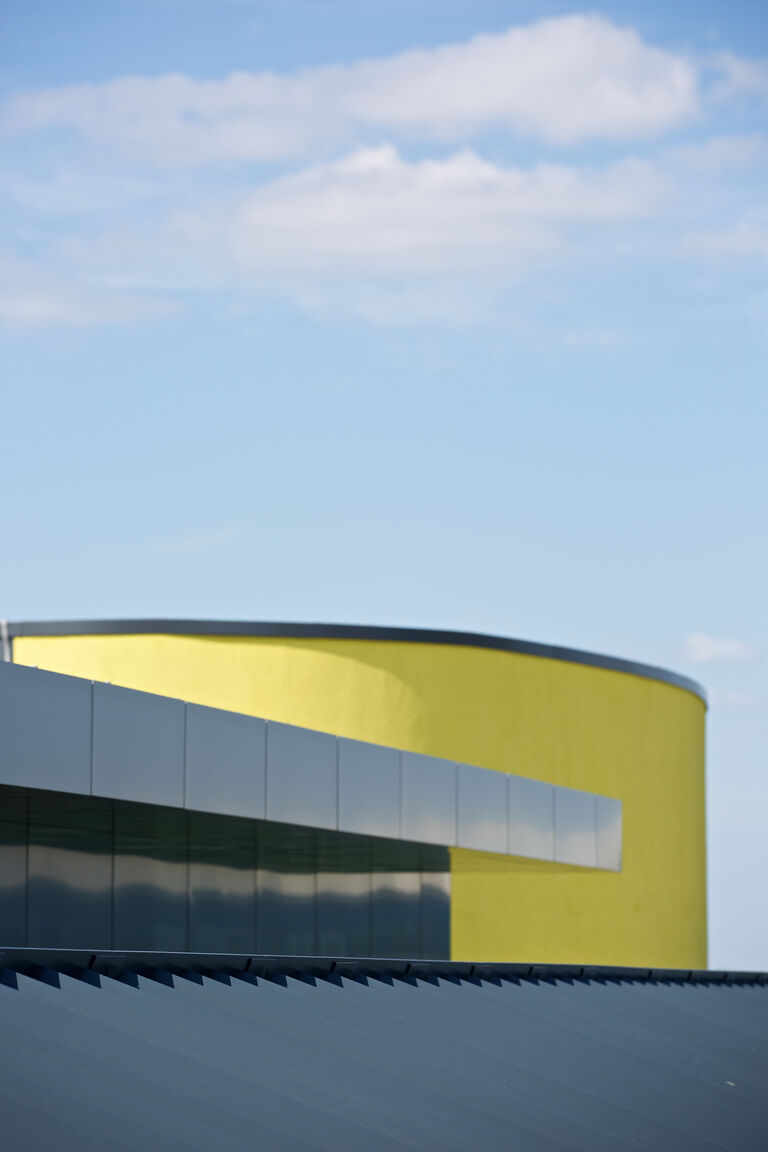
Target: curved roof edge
{"points": [[353, 632]]}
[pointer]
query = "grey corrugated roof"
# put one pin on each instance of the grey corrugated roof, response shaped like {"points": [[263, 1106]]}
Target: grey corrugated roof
{"points": [[298, 1062]]}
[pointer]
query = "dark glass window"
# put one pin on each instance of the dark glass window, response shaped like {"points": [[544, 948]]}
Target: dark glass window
{"points": [[83, 872]]}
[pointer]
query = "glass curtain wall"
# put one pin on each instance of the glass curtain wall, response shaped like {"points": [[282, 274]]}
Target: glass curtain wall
{"points": [[81, 872]]}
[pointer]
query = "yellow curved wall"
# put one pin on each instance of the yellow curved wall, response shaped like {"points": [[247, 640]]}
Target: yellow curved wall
{"points": [[639, 740]]}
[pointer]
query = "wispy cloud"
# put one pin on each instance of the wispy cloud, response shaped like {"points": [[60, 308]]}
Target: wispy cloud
{"points": [[700, 648], [745, 238], [373, 217], [39, 293], [718, 154], [563, 80], [382, 195], [737, 76], [202, 542], [721, 698]]}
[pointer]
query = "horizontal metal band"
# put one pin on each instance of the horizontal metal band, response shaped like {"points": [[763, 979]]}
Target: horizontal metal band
{"points": [[116, 743], [292, 631], [70, 961]]}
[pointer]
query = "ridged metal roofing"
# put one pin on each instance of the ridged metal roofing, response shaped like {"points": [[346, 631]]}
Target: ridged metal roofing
{"points": [[181, 1052]]}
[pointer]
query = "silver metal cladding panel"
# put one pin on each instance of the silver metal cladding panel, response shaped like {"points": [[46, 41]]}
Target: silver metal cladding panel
{"points": [[531, 818], [609, 833], [64, 733], [369, 789], [483, 800], [428, 804], [575, 827], [45, 729], [138, 746], [225, 762], [301, 776]]}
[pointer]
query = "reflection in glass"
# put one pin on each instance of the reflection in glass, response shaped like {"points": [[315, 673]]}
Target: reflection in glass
{"points": [[222, 884], [396, 899], [343, 895], [83, 872], [435, 902], [13, 867], [575, 827], [608, 821], [428, 799], [69, 871], [531, 818], [150, 888], [286, 890]]}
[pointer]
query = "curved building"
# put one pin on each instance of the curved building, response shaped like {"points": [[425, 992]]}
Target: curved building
{"points": [[525, 802]]}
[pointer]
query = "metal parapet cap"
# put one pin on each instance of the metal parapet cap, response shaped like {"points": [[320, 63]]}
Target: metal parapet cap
{"points": [[289, 630]]}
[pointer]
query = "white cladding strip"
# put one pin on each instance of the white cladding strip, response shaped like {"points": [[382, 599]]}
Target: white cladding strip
{"points": [[72, 735]]}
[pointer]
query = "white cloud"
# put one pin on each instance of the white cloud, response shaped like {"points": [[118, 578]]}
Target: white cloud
{"points": [[737, 76], [70, 307], [203, 542], [375, 212], [719, 154], [81, 191], [699, 648], [382, 231], [744, 238], [564, 80], [404, 302], [394, 241], [33, 294], [724, 698]]}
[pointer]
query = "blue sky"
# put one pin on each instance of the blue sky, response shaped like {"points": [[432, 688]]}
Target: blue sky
{"points": [[438, 314]]}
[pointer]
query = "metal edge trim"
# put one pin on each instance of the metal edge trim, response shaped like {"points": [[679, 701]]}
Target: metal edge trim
{"points": [[293, 631]]}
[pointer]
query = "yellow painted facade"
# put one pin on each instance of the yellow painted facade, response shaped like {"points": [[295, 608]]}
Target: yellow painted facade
{"points": [[604, 731]]}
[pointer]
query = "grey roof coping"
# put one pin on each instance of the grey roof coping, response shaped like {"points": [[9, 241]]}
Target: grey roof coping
{"points": [[314, 631]]}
